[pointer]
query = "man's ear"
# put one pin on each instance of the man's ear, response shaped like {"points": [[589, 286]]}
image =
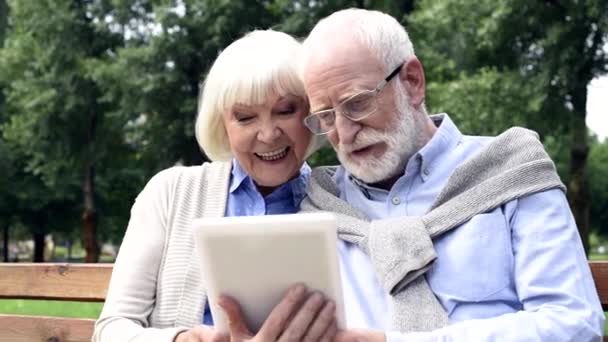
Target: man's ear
{"points": [[412, 77]]}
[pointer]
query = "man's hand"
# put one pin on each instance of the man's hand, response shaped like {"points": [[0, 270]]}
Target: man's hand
{"points": [[201, 333], [359, 335], [300, 316]]}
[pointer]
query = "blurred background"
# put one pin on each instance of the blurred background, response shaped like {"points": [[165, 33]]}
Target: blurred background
{"points": [[96, 96]]}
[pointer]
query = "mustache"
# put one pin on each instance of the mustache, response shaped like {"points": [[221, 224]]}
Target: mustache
{"points": [[365, 138]]}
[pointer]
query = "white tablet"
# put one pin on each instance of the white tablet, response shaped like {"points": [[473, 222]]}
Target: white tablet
{"points": [[255, 259]]}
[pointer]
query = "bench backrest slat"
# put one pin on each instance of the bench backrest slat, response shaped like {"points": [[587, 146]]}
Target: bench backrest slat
{"points": [[80, 282], [599, 269], [89, 282], [16, 328]]}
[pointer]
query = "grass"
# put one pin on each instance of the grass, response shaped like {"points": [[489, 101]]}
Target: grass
{"points": [[50, 308], [598, 256]]}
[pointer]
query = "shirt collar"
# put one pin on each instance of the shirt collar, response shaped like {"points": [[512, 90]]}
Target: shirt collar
{"points": [[296, 187], [239, 176], [445, 138]]}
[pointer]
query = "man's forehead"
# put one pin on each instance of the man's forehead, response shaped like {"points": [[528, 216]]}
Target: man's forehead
{"points": [[342, 54], [332, 47]]}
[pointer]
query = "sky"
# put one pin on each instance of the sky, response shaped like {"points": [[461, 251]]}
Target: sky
{"points": [[597, 107]]}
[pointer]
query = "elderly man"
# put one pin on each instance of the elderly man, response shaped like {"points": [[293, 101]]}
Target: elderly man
{"points": [[445, 237]]}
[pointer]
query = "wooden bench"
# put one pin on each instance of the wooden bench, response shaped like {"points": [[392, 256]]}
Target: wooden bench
{"points": [[88, 283], [74, 282]]}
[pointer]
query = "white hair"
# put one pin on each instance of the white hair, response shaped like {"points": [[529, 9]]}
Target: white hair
{"points": [[251, 69], [382, 34]]}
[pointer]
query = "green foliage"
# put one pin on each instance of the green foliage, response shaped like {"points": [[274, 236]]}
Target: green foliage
{"points": [[498, 63], [154, 77], [324, 156], [487, 102], [114, 84], [55, 124], [536, 54], [598, 160]]}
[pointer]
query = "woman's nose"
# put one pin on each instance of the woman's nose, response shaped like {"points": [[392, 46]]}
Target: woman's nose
{"points": [[269, 132]]}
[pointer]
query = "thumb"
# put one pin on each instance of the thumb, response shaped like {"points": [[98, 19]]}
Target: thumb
{"points": [[236, 320]]}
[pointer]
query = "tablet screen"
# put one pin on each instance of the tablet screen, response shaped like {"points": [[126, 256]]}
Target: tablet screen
{"points": [[255, 259]]}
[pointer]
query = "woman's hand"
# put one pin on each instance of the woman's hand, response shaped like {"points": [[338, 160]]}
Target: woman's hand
{"points": [[300, 316], [201, 333]]}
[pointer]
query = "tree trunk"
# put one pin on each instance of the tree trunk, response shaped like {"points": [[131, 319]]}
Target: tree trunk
{"points": [[579, 194], [5, 243], [89, 216], [38, 245], [69, 248]]}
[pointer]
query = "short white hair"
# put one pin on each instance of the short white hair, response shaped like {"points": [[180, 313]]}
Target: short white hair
{"points": [[260, 64], [382, 34]]}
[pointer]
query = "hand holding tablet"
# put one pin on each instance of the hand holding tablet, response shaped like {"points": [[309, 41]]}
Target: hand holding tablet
{"points": [[256, 259], [299, 316]]}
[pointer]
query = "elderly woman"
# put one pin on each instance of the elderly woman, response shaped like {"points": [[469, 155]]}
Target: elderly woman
{"points": [[250, 124]]}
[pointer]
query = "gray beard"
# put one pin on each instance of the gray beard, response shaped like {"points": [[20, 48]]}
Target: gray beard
{"points": [[402, 142]]}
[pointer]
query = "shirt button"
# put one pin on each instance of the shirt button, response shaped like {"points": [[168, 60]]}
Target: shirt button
{"points": [[426, 172], [396, 200]]}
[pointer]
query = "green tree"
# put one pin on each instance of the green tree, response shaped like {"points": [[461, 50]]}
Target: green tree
{"points": [[154, 78], [598, 159], [57, 117], [5, 162], [494, 64]]}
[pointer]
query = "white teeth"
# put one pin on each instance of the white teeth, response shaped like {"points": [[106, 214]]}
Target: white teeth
{"points": [[274, 155]]}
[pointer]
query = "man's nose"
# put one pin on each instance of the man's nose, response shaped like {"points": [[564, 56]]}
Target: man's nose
{"points": [[346, 129], [269, 132]]}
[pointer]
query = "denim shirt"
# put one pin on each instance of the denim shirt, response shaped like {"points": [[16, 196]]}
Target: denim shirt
{"points": [[244, 199]]}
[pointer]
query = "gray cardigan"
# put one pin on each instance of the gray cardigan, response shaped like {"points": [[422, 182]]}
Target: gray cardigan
{"points": [[513, 165]]}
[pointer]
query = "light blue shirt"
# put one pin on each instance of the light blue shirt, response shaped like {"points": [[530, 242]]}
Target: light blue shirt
{"points": [[244, 199], [517, 273]]}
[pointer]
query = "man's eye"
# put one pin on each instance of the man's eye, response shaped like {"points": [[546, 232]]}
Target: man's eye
{"points": [[358, 104]]}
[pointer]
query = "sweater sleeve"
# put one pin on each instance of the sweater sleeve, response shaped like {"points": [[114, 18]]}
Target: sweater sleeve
{"points": [[132, 290]]}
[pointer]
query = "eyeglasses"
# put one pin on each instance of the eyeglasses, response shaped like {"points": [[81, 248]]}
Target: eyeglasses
{"points": [[355, 108]]}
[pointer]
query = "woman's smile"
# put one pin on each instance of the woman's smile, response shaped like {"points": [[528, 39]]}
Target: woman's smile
{"points": [[273, 155]]}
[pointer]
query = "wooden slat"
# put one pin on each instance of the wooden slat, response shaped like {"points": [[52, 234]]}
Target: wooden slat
{"points": [[599, 269], [88, 282], [80, 282], [46, 329]]}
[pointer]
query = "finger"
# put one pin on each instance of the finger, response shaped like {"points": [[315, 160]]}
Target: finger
{"points": [[297, 327], [330, 333], [236, 320], [321, 323], [191, 335], [275, 323], [209, 334]]}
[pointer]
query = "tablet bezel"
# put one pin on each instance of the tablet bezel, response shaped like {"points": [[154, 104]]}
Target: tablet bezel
{"points": [[237, 234]]}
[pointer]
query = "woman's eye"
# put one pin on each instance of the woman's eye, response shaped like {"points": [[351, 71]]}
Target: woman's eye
{"points": [[242, 117], [287, 110]]}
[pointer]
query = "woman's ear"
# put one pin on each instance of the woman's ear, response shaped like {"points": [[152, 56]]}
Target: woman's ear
{"points": [[412, 77]]}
